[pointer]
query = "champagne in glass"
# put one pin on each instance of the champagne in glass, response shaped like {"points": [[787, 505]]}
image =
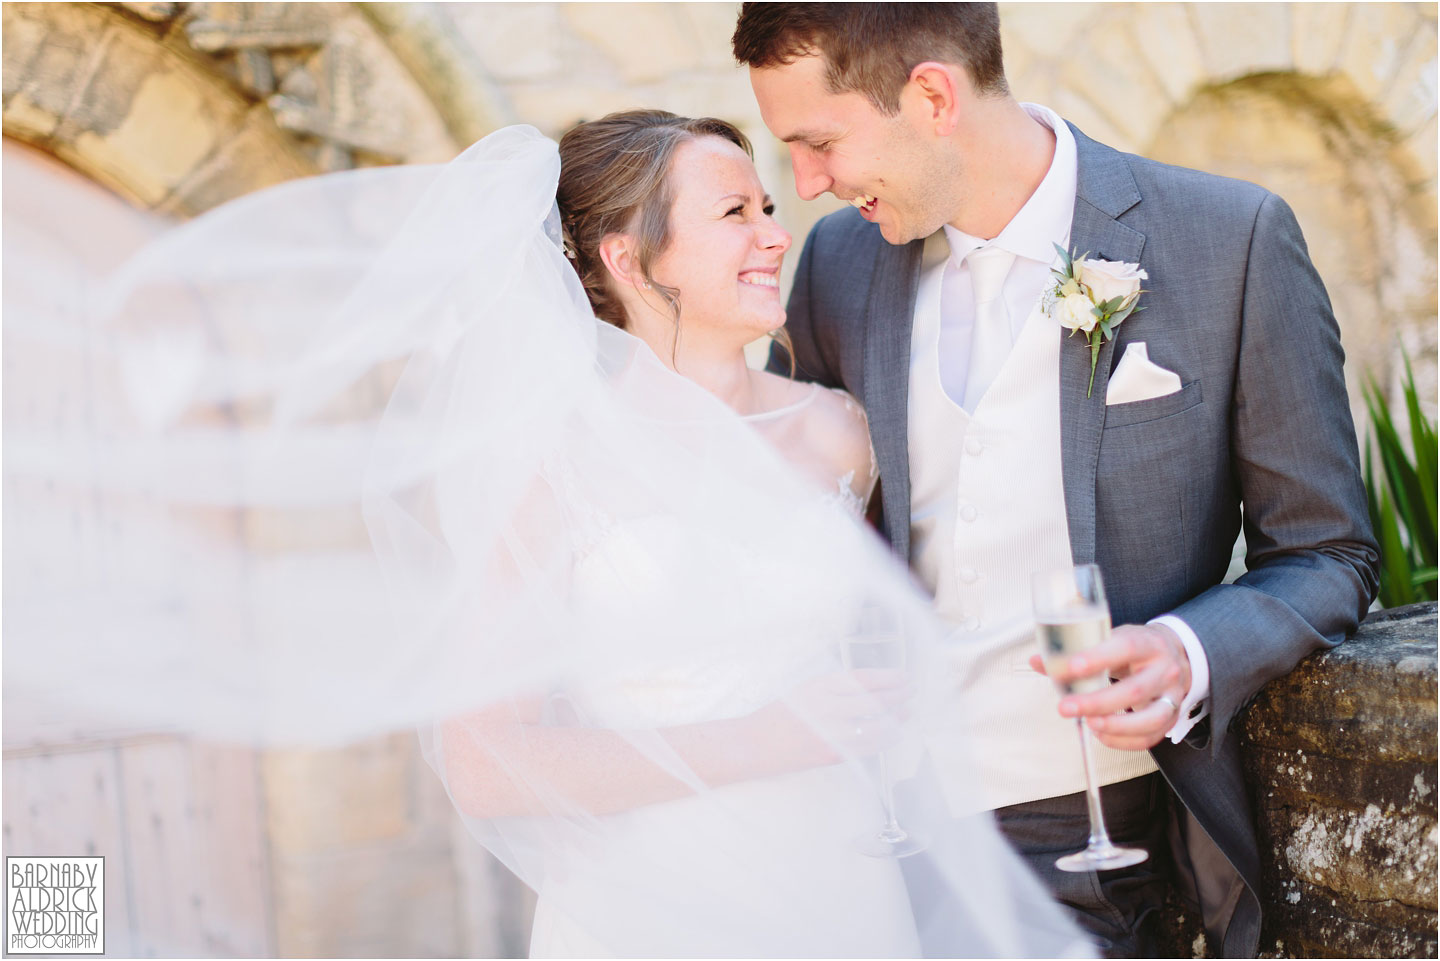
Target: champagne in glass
{"points": [[878, 643], [1071, 616]]}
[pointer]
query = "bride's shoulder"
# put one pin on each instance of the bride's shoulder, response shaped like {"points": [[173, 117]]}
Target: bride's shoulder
{"points": [[832, 421]]}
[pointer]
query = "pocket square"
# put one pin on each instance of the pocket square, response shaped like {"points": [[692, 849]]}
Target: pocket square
{"points": [[1137, 378]]}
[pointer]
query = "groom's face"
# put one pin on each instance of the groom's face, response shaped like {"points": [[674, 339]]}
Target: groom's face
{"points": [[887, 167]]}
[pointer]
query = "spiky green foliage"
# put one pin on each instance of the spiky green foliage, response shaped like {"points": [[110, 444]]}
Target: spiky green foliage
{"points": [[1402, 497]]}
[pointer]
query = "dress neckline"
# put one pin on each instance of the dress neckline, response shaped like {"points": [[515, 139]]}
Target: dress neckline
{"points": [[788, 408]]}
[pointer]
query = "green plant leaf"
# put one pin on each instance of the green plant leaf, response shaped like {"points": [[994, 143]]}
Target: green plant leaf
{"points": [[1422, 439], [1395, 567], [1401, 498]]}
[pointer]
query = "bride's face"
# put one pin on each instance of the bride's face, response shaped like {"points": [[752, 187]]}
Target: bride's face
{"points": [[725, 248]]}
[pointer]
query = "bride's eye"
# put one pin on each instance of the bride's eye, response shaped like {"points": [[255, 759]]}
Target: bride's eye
{"points": [[737, 209], [769, 210]]}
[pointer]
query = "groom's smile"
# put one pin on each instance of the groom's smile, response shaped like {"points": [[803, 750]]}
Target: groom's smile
{"points": [[840, 143]]}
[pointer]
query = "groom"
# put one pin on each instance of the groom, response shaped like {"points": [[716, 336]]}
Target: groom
{"points": [[997, 457]]}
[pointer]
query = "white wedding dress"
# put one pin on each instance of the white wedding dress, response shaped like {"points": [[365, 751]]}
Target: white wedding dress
{"points": [[763, 866]]}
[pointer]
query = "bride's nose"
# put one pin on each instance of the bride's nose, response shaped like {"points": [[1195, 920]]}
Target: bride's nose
{"points": [[773, 236]]}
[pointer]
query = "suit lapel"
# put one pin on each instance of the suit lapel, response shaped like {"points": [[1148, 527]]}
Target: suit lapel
{"points": [[1105, 189], [889, 315]]}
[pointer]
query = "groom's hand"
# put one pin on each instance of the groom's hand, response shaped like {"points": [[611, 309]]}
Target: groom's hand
{"points": [[1148, 662]]}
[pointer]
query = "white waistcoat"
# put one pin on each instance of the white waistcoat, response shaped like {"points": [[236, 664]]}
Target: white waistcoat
{"points": [[987, 508]]}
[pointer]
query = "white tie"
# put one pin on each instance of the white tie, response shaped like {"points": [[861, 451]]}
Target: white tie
{"points": [[990, 340]]}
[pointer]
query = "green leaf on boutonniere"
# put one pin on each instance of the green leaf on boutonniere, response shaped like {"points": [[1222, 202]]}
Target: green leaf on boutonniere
{"points": [[1094, 359], [1065, 258]]}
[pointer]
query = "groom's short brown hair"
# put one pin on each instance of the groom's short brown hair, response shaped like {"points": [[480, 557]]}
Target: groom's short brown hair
{"points": [[871, 48]]}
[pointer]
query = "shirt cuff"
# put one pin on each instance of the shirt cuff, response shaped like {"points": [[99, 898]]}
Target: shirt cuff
{"points": [[1199, 694]]}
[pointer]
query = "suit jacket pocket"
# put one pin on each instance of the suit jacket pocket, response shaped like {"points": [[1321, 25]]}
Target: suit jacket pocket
{"points": [[1143, 411]]}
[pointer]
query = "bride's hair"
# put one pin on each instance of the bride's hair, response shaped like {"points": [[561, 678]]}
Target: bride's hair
{"points": [[614, 178]]}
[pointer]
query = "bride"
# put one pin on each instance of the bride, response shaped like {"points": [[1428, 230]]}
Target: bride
{"points": [[675, 676], [671, 233]]}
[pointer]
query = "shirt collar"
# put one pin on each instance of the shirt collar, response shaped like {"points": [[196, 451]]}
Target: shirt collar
{"points": [[1045, 218]]}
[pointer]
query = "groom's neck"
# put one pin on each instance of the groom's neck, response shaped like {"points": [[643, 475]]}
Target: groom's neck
{"points": [[1006, 154]]}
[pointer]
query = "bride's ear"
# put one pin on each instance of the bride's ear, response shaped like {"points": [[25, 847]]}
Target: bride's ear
{"points": [[617, 253]]}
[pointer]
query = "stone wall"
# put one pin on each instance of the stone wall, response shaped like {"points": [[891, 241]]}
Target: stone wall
{"points": [[1341, 759], [1340, 756]]}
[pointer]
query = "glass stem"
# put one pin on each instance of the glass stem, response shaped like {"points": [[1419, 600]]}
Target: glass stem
{"points": [[892, 830], [1099, 837]]}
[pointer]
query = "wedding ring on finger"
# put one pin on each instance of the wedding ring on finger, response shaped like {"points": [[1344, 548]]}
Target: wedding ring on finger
{"points": [[1169, 701]]}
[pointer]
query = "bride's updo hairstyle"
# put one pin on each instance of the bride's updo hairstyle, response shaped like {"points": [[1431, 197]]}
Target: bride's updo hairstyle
{"points": [[615, 178]]}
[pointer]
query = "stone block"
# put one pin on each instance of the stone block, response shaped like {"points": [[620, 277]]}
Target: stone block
{"points": [[1240, 39], [253, 157], [1341, 758], [168, 108], [52, 52], [1317, 30], [1048, 29], [1116, 80], [517, 41], [713, 24], [1411, 97], [555, 107], [1165, 37], [643, 42], [1083, 113], [1419, 147], [1375, 38]]}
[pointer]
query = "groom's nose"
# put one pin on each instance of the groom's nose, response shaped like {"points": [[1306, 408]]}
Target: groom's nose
{"points": [[811, 180]]}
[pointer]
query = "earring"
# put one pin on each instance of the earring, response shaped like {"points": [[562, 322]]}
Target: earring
{"points": [[647, 285]]}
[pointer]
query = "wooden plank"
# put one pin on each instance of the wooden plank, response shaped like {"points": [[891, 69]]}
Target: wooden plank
{"points": [[69, 803], [197, 848]]}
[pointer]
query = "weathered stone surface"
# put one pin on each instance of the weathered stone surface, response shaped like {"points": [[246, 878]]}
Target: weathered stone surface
{"points": [[1241, 39], [1126, 92], [1375, 37], [1410, 100], [1317, 31], [1167, 42], [1341, 759], [1340, 756]]}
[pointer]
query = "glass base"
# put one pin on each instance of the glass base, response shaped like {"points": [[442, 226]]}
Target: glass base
{"points": [[1101, 857], [885, 844]]}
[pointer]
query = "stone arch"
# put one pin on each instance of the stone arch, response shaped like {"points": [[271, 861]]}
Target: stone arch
{"points": [[1368, 219], [180, 107]]}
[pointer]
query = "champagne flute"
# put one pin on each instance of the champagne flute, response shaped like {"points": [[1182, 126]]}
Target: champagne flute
{"points": [[879, 643], [1071, 616]]}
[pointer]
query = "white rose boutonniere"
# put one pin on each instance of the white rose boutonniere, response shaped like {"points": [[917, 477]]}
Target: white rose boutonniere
{"points": [[1092, 297]]}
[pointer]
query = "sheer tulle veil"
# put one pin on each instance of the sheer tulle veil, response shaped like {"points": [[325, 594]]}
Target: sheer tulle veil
{"points": [[356, 456]]}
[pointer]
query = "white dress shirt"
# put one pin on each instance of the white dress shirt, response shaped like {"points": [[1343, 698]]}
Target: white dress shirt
{"points": [[1031, 235]]}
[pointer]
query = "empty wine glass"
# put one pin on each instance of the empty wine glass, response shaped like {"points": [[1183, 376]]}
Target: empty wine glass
{"points": [[879, 643]]}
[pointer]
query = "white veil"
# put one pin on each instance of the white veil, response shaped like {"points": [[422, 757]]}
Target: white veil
{"points": [[357, 457]]}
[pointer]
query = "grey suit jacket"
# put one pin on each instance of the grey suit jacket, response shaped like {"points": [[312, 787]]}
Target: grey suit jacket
{"points": [[1154, 489]]}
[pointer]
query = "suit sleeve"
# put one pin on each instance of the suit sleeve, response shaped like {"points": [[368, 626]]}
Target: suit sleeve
{"points": [[800, 324], [1311, 556]]}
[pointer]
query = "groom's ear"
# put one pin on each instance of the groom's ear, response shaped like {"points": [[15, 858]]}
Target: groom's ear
{"points": [[933, 95], [617, 253]]}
